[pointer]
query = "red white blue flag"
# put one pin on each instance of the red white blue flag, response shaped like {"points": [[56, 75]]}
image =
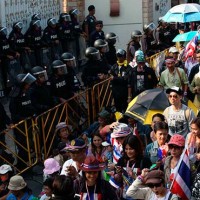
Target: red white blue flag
{"points": [[191, 47], [181, 184]]}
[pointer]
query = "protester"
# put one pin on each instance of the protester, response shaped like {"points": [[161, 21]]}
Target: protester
{"points": [[91, 184], [178, 115], [150, 186], [47, 189], [152, 150], [131, 163], [176, 146], [51, 168], [19, 189]]}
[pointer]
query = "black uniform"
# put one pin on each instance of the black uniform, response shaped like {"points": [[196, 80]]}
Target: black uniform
{"points": [[120, 86], [41, 97], [95, 35], [21, 108], [50, 39], [111, 55], [90, 21], [61, 87], [140, 81], [33, 39]]}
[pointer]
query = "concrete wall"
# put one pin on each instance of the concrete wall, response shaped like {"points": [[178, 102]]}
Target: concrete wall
{"points": [[131, 18]]}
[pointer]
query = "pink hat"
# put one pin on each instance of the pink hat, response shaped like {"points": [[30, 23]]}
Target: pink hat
{"points": [[178, 140], [51, 166]]}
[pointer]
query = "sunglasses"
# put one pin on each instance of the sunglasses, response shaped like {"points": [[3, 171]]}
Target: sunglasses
{"points": [[174, 147], [173, 96], [152, 185]]}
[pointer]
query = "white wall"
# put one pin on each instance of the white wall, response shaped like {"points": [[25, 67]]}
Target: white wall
{"points": [[130, 18], [164, 6]]}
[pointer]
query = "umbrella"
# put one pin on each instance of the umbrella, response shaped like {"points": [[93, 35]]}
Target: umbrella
{"points": [[189, 12], [150, 102], [185, 36]]}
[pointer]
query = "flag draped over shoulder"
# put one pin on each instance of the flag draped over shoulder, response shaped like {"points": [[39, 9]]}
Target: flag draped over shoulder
{"points": [[191, 47], [181, 184]]}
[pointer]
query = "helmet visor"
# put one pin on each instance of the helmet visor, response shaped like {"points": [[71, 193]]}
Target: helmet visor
{"points": [[29, 79], [3, 31], [52, 22], [19, 25], [96, 55], [71, 62], [42, 75], [37, 23], [61, 69], [66, 17]]}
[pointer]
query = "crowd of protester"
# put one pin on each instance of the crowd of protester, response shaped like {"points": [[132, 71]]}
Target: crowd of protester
{"points": [[111, 159]]}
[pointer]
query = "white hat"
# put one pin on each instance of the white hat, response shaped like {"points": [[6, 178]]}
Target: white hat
{"points": [[16, 183], [105, 144], [5, 168], [173, 50], [121, 130]]}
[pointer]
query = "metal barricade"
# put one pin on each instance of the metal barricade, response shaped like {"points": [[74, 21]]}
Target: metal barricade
{"points": [[101, 96], [22, 146], [74, 112]]}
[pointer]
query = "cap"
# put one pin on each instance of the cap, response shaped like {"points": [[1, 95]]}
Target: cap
{"points": [[140, 59], [5, 169], [76, 145], [173, 50], [16, 183], [175, 89], [122, 130], [139, 53], [178, 140], [51, 166], [104, 114], [60, 125], [92, 164], [155, 176]]}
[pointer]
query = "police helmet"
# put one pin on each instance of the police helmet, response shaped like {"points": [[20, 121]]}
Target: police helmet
{"points": [[121, 53], [149, 27], [25, 79], [65, 17], [111, 38], [59, 65], [36, 23], [18, 26], [36, 17], [39, 72], [3, 31], [51, 22], [74, 12], [69, 59], [100, 44], [92, 53], [136, 34]]}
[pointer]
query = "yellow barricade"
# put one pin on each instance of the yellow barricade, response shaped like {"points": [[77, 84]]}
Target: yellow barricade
{"points": [[21, 147], [74, 112]]}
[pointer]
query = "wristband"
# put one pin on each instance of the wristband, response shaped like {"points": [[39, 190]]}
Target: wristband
{"points": [[129, 97]]}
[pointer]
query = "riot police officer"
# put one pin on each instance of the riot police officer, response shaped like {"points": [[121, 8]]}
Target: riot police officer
{"points": [[65, 32], [33, 37], [36, 16], [51, 38], [41, 96], [60, 84], [92, 71], [133, 45], [21, 107], [150, 38], [111, 54], [70, 61], [17, 43], [97, 33], [102, 46], [6, 56]]}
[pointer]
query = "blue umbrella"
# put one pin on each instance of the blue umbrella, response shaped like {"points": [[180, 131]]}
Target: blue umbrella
{"points": [[183, 13], [183, 37]]}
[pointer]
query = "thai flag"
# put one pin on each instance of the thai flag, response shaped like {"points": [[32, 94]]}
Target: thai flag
{"points": [[181, 184], [191, 47]]}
